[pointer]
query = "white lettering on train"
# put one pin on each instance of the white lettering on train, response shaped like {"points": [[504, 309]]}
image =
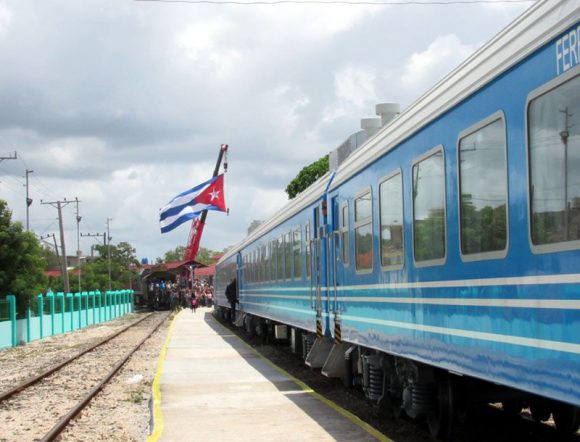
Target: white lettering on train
{"points": [[568, 51]]}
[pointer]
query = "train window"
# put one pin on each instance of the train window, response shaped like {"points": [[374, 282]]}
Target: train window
{"points": [[288, 255], [274, 255], [307, 248], [297, 253], [554, 152], [363, 232], [262, 263], [391, 212], [253, 265], [246, 275], [344, 233], [267, 262], [429, 209], [280, 257], [483, 189]]}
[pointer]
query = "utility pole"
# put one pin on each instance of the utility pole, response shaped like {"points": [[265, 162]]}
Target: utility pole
{"points": [[28, 201], [55, 248], [79, 252], [109, 248], [59, 205], [11, 157]]}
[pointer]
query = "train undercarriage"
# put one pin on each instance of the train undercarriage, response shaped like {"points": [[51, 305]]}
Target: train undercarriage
{"points": [[440, 398]]}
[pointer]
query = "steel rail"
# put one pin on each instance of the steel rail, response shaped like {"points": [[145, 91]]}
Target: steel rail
{"points": [[34, 379], [64, 421]]}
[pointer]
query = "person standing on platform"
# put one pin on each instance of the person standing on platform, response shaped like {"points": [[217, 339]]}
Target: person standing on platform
{"points": [[193, 304], [232, 296]]}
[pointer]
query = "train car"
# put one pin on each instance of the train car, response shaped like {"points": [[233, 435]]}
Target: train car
{"points": [[438, 265]]}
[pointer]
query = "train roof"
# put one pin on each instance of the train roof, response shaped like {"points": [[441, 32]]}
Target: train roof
{"points": [[539, 24]]}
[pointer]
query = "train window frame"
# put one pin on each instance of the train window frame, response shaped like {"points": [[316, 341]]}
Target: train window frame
{"points": [[274, 260], [308, 249], [280, 272], [494, 254], [437, 261], [383, 180], [533, 95], [363, 223], [288, 249], [262, 263], [297, 252], [344, 233]]}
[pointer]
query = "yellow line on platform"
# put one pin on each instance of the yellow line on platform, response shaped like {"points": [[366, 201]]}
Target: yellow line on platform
{"points": [[157, 413], [347, 414]]}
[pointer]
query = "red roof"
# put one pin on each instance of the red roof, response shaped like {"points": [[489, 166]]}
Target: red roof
{"points": [[176, 264], [204, 271], [56, 273]]}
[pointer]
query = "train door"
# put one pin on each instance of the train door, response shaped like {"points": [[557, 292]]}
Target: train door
{"points": [[239, 274], [338, 249], [317, 271]]}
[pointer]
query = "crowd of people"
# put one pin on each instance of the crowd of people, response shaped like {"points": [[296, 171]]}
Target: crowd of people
{"points": [[198, 293]]}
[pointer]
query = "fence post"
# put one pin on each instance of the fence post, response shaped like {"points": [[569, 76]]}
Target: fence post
{"points": [[12, 315], [100, 298], [86, 295], [50, 297], [71, 306], [77, 298], [28, 322], [132, 298], [93, 299], [40, 310], [60, 300]]}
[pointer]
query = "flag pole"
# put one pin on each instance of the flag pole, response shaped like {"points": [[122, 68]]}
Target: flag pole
{"points": [[198, 224], [223, 150]]}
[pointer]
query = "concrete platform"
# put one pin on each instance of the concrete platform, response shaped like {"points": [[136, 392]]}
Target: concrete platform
{"points": [[214, 387]]}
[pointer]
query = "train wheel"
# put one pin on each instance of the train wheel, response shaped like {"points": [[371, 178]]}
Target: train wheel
{"points": [[440, 421], [567, 418]]}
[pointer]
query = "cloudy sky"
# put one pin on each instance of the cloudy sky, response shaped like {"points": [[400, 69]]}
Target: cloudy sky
{"points": [[125, 103]]}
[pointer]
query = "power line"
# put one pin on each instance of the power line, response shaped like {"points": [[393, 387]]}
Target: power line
{"points": [[340, 2]]}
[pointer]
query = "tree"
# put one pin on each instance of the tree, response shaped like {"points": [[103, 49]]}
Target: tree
{"points": [[175, 254], [204, 256], [50, 257], [307, 176], [95, 273], [21, 260]]}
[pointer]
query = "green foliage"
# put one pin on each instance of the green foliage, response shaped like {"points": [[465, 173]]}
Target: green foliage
{"points": [[175, 255], [52, 261], [307, 176], [482, 230], [204, 256], [21, 260], [95, 273], [430, 237]]}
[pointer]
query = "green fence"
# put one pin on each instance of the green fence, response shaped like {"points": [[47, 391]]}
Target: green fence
{"points": [[55, 313]]}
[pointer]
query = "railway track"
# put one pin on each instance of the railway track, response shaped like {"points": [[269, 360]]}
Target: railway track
{"points": [[41, 407]]}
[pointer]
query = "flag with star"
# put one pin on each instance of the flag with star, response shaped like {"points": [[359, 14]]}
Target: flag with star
{"points": [[189, 204]]}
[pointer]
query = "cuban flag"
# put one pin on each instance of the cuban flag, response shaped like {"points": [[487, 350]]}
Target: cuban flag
{"points": [[189, 204]]}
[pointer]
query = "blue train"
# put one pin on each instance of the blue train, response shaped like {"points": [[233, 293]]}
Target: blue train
{"points": [[438, 264]]}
